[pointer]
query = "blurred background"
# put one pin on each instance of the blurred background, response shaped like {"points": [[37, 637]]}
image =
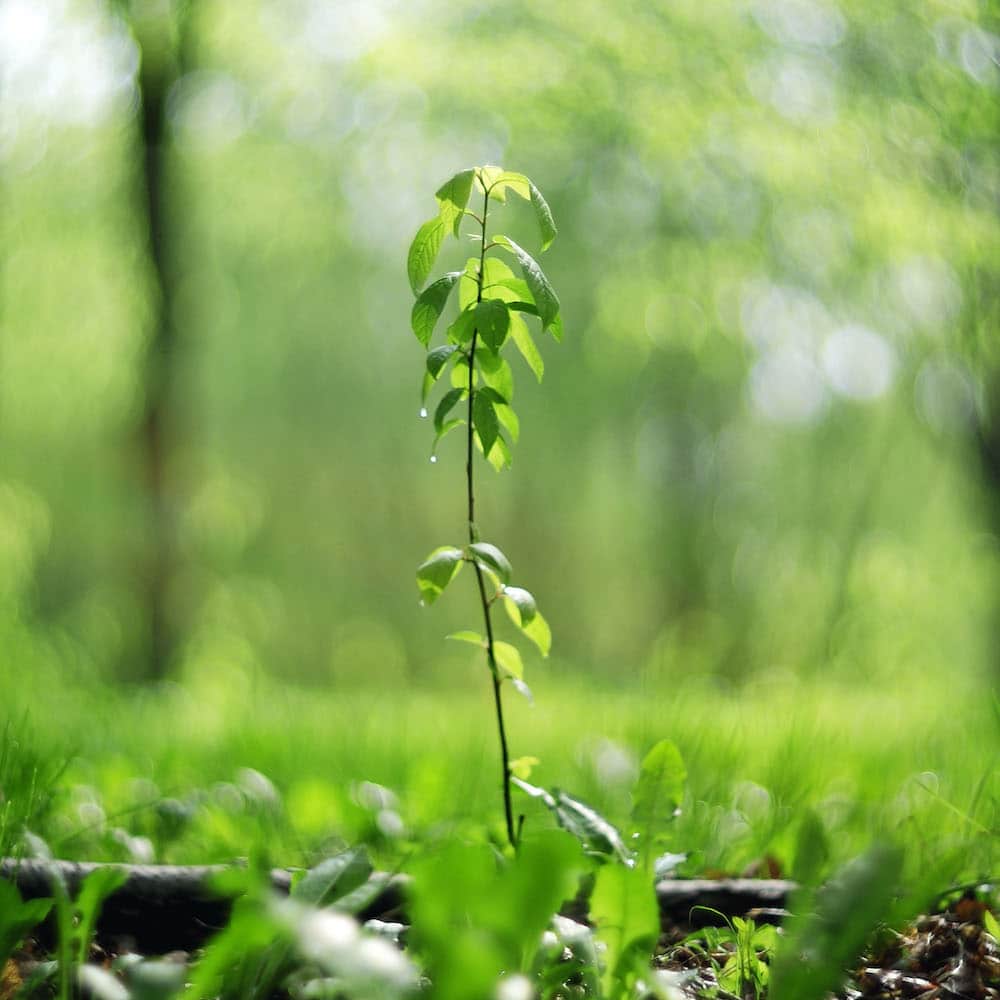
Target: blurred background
{"points": [[768, 445]]}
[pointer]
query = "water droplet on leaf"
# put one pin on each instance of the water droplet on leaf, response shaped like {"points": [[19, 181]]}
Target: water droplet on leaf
{"points": [[434, 458], [423, 411]]}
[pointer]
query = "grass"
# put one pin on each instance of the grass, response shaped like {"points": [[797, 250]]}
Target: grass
{"points": [[915, 763]]}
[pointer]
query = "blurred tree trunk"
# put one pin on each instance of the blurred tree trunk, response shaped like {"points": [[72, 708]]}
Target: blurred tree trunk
{"points": [[162, 37], [987, 428], [988, 438]]}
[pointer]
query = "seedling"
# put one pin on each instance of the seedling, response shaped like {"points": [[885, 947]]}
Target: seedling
{"points": [[493, 305]]}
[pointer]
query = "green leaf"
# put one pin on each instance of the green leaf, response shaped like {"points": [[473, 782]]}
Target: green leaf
{"points": [[496, 276], [508, 419], [516, 288], [992, 925], [524, 602], [486, 177], [423, 252], [333, 878], [484, 419], [523, 307], [543, 216], [467, 636], [812, 849], [542, 292], [499, 455], [825, 937], [454, 196], [556, 329], [94, 890], [510, 181], [468, 285], [17, 918], [537, 630], [462, 329], [497, 373], [492, 394], [460, 374], [437, 571], [522, 767], [445, 428], [448, 401], [660, 788], [492, 320], [624, 911], [437, 358], [509, 659], [525, 343], [429, 305], [597, 835], [491, 558]]}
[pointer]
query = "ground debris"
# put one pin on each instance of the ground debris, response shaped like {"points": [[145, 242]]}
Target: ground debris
{"points": [[940, 956]]}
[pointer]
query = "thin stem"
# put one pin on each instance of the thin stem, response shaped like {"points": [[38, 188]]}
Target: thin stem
{"points": [[474, 537]]}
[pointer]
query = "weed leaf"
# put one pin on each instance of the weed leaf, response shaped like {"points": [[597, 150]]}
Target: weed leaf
{"points": [[822, 943], [660, 787], [96, 888], [333, 878], [624, 910], [17, 918]]}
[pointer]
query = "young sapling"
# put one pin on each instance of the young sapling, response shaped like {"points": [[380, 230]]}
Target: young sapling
{"points": [[494, 307]]}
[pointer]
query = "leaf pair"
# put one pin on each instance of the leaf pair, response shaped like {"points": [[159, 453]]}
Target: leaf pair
{"points": [[437, 571]]}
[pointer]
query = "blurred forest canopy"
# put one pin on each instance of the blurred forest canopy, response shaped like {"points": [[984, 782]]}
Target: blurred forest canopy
{"points": [[770, 440]]}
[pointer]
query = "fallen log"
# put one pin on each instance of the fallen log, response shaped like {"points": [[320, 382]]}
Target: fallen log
{"points": [[689, 902], [163, 908]]}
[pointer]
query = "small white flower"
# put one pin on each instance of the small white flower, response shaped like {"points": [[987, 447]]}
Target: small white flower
{"points": [[328, 938], [381, 960], [516, 987]]}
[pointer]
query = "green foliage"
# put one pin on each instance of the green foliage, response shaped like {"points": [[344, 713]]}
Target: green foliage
{"points": [[627, 919], [334, 878], [76, 921], [832, 924], [746, 971], [17, 918], [475, 916], [27, 783], [490, 301], [660, 787]]}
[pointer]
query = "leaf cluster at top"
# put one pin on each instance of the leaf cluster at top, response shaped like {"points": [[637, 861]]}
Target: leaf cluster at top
{"points": [[494, 306]]}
